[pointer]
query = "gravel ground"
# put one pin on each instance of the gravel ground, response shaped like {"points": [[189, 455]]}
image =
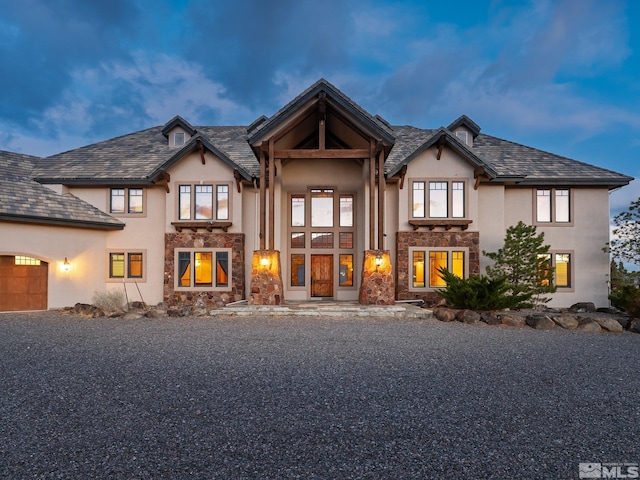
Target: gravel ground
{"points": [[310, 398]]}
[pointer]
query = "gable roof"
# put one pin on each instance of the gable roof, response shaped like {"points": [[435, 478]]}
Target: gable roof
{"points": [[24, 200]]}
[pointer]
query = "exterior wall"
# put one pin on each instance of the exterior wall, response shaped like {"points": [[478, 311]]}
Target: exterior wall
{"points": [[84, 249], [234, 241], [405, 240], [491, 220]]}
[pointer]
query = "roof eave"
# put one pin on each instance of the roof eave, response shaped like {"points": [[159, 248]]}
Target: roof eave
{"points": [[7, 217]]}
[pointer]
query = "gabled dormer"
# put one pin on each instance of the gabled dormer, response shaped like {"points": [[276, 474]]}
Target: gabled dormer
{"points": [[178, 131], [465, 130]]}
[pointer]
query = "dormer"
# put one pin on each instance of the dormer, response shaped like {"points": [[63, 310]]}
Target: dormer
{"points": [[178, 131], [465, 130]]}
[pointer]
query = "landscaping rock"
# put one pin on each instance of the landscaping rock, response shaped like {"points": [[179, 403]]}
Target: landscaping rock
{"points": [[490, 318], [512, 320], [444, 314], [174, 312], [540, 322], [634, 325], [567, 321], [468, 316], [583, 307], [590, 326], [609, 324]]}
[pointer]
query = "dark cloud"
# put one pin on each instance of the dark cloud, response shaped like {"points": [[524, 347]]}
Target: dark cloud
{"points": [[43, 42], [244, 43]]}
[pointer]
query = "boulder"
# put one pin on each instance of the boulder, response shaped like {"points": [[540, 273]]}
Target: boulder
{"points": [[590, 326], [174, 312], [608, 323], [490, 318], [540, 322], [444, 314], [567, 321], [583, 307], [634, 325], [468, 316], [512, 320], [86, 310]]}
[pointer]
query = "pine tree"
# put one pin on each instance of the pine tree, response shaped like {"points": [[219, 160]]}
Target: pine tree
{"points": [[525, 262], [626, 242]]}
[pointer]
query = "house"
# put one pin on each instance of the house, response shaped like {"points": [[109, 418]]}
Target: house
{"points": [[322, 199]]}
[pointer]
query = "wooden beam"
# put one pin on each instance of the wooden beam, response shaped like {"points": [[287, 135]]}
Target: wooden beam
{"points": [[272, 194], [372, 196], [441, 142], [381, 190], [236, 175], [322, 120], [403, 172], [263, 198], [201, 150], [163, 178], [322, 153]]}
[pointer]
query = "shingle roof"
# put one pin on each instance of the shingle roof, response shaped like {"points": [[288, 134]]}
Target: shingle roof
{"points": [[24, 200]]}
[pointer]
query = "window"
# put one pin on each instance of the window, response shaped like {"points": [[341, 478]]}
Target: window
{"points": [[196, 202], [346, 210], [126, 266], [126, 201], [562, 274], [425, 274], [346, 270], [297, 270], [322, 208], [203, 269], [178, 139], [445, 199], [22, 260], [462, 136], [553, 205]]}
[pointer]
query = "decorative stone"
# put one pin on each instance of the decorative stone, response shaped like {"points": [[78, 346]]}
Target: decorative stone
{"points": [[609, 324], [512, 320], [468, 316], [540, 322], [266, 278], [444, 314], [86, 310], [590, 326], [567, 321], [490, 318], [583, 307], [634, 325]]}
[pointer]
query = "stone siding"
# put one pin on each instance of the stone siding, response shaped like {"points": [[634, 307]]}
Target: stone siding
{"points": [[377, 286], [431, 240], [213, 298], [266, 278]]}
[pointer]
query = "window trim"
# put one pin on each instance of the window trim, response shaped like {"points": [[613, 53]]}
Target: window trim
{"points": [[127, 197], [449, 181], [427, 251], [553, 222], [214, 201], [214, 287], [126, 278]]}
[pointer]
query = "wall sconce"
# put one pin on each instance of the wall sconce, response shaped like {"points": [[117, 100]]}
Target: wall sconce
{"points": [[378, 260], [264, 261], [66, 266]]}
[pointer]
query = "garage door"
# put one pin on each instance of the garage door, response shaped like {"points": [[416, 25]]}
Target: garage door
{"points": [[23, 283]]}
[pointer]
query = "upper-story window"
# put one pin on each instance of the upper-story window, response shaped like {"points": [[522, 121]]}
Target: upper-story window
{"points": [[178, 139], [553, 205], [438, 199], [125, 201], [463, 136], [203, 202]]}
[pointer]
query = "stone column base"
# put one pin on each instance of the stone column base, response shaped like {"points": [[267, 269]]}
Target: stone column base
{"points": [[377, 286], [266, 278]]}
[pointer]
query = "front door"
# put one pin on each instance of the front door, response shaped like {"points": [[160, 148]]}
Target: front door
{"points": [[322, 275]]}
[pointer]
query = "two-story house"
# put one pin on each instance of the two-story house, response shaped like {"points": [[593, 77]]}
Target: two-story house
{"points": [[322, 199]]}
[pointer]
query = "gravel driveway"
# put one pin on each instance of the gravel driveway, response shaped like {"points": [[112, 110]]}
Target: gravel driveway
{"points": [[311, 398]]}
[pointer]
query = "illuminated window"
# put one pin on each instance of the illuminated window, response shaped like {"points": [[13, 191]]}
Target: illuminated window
{"points": [[418, 269], [562, 270], [134, 265], [126, 265], [427, 275], [22, 260], [346, 270], [116, 265], [199, 269], [437, 260], [297, 270]]}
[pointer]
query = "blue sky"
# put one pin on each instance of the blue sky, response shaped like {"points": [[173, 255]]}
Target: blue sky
{"points": [[562, 76]]}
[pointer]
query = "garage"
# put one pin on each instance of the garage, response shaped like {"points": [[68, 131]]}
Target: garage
{"points": [[23, 283]]}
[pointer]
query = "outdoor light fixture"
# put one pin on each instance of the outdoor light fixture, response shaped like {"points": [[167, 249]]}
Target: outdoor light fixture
{"points": [[66, 265], [378, 260], [264, 261]]}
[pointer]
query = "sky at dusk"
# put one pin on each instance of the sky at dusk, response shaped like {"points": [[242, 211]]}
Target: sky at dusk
{"points": [[561, 76]]}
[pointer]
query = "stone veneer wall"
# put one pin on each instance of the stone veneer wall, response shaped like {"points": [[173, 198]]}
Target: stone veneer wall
{"points": [[235, 241], [377, 287], [266, 278], [470, 240]]}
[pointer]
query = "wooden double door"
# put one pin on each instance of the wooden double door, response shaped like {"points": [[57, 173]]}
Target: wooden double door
{"points": [[322, 275]]}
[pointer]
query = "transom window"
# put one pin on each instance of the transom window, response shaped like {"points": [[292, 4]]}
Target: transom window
{"points": [[126, 265], [203, 202], [425, 265], [126, 201], [203, 269], [22, 260], [553, 205], [438, 199]]}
